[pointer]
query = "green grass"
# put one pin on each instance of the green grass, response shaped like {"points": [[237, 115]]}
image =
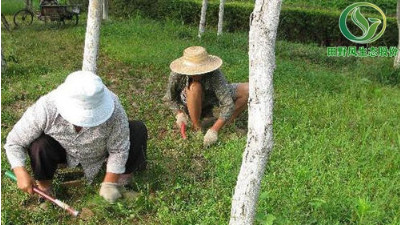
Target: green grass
{"points": [[336, 156], [9, 7]]}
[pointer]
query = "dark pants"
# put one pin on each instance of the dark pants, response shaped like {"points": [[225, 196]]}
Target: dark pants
{"points": [[46, 153]]}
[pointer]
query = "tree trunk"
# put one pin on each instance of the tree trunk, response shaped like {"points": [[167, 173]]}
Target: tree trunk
{"points": [[105, 9], [202, 24], [221, 17], [262, 36], [92, 36], [397, 59]]}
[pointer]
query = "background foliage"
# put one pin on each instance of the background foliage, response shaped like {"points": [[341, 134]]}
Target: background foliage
{"points": [[319, 24]]}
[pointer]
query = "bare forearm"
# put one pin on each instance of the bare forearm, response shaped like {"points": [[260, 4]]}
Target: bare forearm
{"points": [[218, 124], [20, 171]]}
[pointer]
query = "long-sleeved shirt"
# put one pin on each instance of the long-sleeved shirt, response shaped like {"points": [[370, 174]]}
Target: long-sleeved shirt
{"points": [[216, 90], [89, 147]]}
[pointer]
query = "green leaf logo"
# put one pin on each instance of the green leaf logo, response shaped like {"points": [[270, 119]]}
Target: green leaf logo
{"points": [[369, 27]]}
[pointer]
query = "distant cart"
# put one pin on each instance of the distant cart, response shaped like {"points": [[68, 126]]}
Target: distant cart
{"points": [[49, 10]]}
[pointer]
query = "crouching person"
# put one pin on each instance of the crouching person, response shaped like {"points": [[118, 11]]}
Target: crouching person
{"points": [[80, 122], [196, 86]]}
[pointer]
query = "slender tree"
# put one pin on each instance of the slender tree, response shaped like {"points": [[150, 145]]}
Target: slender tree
{"points": [[202, 25], [105, 9], [221, 17], [263, 27], [397, 59], [92, 36]]}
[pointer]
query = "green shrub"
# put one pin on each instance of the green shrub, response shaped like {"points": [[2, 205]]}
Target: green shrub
{"points": [[388, 6], [296, 24], [84, 4], [9, 7], [322, 27]]}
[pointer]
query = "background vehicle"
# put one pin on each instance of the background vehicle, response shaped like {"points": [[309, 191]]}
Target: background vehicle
{"points": [[49, 10]]}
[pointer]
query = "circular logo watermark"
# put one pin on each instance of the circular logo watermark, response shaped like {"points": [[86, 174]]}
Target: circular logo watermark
{"points": [[369, 27]]}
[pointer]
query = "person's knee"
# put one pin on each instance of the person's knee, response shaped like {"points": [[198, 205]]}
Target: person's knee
{"points": [[39, 145], [246, 90], [243, 91], [194, 87], [138, 127]]}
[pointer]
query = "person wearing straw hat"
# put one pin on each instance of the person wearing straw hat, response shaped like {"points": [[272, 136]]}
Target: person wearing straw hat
{"points": [[196, 85], [80, 122]]}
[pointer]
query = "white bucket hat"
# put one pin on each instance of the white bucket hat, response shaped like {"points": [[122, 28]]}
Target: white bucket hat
{"points": [[84, 100], [195, 61]]}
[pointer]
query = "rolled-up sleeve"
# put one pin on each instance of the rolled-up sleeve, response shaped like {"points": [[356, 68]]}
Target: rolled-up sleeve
{"points": [[223, 95], [172, 95], [118, 142], [26, 130]]}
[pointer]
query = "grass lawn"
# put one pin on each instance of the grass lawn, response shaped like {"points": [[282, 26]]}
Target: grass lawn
{"points": [[336, 121]]}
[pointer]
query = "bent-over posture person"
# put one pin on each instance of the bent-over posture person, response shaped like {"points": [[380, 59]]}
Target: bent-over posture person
{"points": [[196, 85], [80, 122]]}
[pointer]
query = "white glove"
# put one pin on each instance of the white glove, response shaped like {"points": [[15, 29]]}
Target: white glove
{"points": [[181, 118], [109, 191], [210, 138]]}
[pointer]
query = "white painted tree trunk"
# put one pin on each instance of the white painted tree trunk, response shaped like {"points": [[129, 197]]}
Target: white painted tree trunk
{"points": [[221, 17], [262, 36], [92, 36], [202, 25], [105, 9], [397, 59]]}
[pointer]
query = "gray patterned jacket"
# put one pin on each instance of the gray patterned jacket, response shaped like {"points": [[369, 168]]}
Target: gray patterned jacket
{"points": [[89, 147]]}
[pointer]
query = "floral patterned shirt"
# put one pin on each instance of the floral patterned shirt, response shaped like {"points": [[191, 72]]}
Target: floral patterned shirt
{"points": [[89, 147]]}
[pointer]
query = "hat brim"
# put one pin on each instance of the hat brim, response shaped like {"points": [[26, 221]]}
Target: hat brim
{"points": [[79, 116], [182, 66]]}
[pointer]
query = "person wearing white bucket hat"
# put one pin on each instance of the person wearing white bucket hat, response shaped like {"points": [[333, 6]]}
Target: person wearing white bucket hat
{"points": [[80, 122], [196, 85]]}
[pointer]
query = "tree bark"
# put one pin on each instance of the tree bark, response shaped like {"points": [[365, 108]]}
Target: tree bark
{"points": [[105, 9], [221, 17], [92, 36], [262, 37], [397, 59], [202, 25]]}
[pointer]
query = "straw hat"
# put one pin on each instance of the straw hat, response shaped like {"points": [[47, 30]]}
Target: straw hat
{"points": [[83, 100], [195, 61]]}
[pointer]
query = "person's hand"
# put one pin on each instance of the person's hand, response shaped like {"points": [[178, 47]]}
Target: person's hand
{"points": [[210, 138], [109, 191], [24, 180], [181, 118]]}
